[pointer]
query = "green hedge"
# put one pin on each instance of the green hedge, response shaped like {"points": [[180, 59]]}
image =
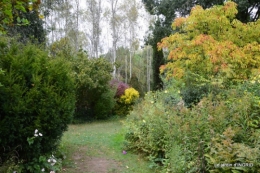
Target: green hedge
{"points": [[38, 93]]}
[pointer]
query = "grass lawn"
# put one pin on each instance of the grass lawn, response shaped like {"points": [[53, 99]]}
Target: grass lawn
{"points": [[97, 148]]}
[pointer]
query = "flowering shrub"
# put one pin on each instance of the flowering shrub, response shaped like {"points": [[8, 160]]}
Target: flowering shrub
{"points": [[120, 87], [129, 97], [126, 102]]}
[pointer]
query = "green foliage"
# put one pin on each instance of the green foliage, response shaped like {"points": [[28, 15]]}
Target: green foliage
{"points": [[1, 73], [62, 47], [94, 96], [220, 129], [104, 106], [147, 124], [33, 31], [252, 85], [126, 102], [38, 92], [92, 84], [10, 12]]}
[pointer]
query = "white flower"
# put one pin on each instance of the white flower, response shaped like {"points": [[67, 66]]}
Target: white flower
{"points": [[52, 164], [40, 134], [52, 172], [49, 160], [54, 160], [36, 131], [36, 134], [43, 169]]}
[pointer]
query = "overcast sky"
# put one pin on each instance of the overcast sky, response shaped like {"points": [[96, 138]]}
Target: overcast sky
{"points": [[106, 39]]}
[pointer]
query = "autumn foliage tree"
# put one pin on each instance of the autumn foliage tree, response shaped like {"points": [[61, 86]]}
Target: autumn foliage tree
{"points": [[212, 44]]}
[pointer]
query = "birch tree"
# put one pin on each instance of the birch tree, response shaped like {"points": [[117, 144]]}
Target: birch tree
{"points": [[131, 15], [94, 16], [115, 22]]}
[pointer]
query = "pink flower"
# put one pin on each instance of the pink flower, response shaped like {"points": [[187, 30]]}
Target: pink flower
{"points": [[124, 152]]}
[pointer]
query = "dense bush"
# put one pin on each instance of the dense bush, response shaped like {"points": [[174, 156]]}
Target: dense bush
{"points": [[95, 97], [105, 104], [37, 93], [125, 97], [129, 97], [222, 129]]}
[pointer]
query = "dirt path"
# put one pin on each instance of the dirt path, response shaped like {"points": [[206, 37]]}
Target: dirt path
{"points": [[89, 164]]}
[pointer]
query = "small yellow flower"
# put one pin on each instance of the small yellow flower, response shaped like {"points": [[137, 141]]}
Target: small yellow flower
{"points": [[252, 81], [41, 16], [165, 91], [144, 121], [152, 102], [179, 91]]}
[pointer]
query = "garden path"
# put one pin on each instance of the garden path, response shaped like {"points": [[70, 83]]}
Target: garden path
{"points": [[97, 148]]}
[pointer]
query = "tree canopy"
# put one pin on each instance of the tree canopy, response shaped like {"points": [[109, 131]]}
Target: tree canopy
{"points": [[247, 10], [167, 10], [212, 43]]}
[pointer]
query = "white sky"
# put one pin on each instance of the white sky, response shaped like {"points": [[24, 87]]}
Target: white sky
{"points": [[106, 39]]}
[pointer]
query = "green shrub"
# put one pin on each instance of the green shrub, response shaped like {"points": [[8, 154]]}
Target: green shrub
{"points": [[252, 85], [105, 104], [93, 93], [37, 93], [147, 124], [220, 129]]}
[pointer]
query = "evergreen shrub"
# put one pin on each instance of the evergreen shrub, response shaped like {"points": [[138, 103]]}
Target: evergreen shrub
{"points": [[38, 92], [94, 95]]}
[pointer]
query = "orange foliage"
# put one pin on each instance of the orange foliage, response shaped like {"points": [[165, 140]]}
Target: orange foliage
{"points": [[213, 43]]}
